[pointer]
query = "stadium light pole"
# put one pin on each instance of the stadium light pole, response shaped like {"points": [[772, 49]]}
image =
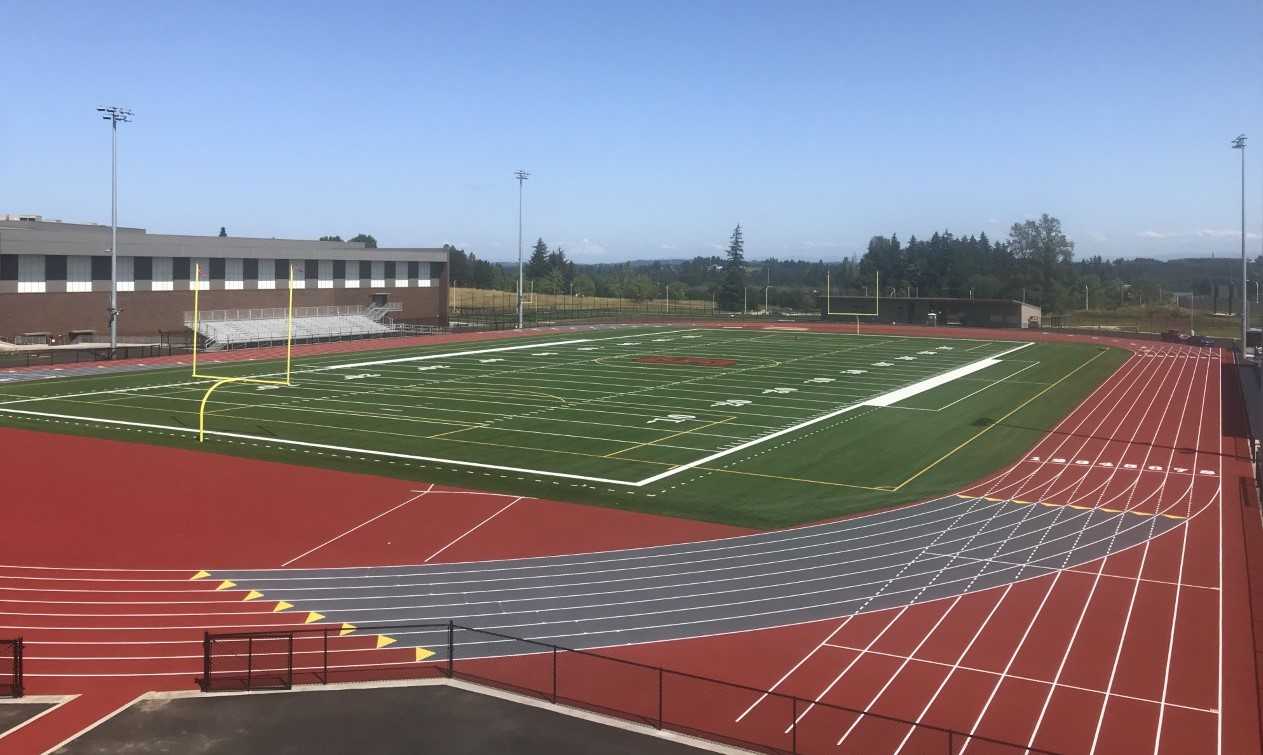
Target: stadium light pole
{"points": [[1239, 143], [521, 176], [114, 115]]}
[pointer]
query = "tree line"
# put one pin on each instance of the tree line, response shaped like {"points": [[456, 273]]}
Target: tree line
{"points": [[1035, 263]]}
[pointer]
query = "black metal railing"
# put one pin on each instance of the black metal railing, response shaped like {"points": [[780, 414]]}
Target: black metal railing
{"points": [[11, 667], [601, 682]]}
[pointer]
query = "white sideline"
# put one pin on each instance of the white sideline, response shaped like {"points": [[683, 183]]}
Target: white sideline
{"points": [[886, 399], [883, 400], [450, 354]]}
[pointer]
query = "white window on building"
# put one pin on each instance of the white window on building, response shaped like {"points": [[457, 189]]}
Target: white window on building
{"points": [[78, 273], [199, 273], [31, 274], [232, 274], [325, 274], [267, 274], [126, 273], [352, 279], [423, 274], [401, 275], [377, 275], [162, 271], [298, 270]]}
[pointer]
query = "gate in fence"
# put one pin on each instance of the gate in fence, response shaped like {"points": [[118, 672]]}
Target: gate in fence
{"points": [[11, 668]]}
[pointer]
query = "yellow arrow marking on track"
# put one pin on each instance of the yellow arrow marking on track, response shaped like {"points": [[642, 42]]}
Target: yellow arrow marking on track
{"points": [[200, 575], [253, 595], [313, 617], [226, 585], [422, 654], [346, 629], [383, 641], [282, 606]]}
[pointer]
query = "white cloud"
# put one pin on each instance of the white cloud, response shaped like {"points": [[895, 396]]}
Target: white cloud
{"points": [[1223, 233], [586, 248], [993, 221], [1205, 233], [669, 247], [820, 245], [1098, 236]]}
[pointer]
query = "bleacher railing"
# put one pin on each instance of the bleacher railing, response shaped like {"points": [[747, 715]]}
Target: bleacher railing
{"points": [[654, 696], [281, 313], [11, 668]]}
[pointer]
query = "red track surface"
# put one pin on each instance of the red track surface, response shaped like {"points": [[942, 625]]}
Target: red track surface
{"points": [[1148, 650]]}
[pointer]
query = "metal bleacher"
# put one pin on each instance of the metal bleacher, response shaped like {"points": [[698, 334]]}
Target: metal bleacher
{"points": [[230, 328]]}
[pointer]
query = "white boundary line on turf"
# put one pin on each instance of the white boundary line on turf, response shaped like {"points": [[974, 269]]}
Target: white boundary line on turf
{"points": [[882, 400], [885, 399], [451, 354]]}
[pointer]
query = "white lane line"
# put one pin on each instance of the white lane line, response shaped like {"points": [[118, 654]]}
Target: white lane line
{"points": [[364, 523], [1052, 585], [1123, 374], [471, 530], [1131, 605], [1014, 528], [1219, 736], [945, 664], [1127, 384], [902, 666], [1176, 378]]}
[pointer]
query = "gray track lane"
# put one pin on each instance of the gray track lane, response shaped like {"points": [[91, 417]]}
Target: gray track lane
{"points": [[931, 550]]}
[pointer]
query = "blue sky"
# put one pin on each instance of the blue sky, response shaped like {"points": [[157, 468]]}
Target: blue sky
{"points": [[650, 129]]}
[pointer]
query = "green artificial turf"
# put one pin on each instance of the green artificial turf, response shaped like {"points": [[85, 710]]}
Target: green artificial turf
{"points": [[578, 414]]}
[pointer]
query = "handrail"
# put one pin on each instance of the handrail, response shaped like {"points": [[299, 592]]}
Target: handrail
{"points": [[244, 678]]}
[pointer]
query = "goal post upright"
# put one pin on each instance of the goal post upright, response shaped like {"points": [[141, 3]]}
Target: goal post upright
{"points": [[828, 300], [220, 380], [289, 330]]}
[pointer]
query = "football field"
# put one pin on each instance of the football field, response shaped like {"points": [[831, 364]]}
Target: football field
{"points": [[636, 412]]}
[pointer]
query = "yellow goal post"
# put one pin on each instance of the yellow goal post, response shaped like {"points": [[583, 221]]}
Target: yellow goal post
{"points": [[828, 301], [225, 379]]}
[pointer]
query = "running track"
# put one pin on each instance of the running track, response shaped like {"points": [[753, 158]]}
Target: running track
{"points": [[1147, 649]]}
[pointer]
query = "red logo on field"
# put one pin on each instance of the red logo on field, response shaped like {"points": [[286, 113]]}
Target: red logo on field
{"points": [[684, 360]]}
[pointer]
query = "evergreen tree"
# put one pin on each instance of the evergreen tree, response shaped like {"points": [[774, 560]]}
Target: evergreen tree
{"points": [[330, 238], [365, 238], [732, 287], [537, 263], [223, 232]]}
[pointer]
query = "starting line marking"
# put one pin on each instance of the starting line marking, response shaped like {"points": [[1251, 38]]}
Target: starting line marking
{"points": [[1127, 465]]}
